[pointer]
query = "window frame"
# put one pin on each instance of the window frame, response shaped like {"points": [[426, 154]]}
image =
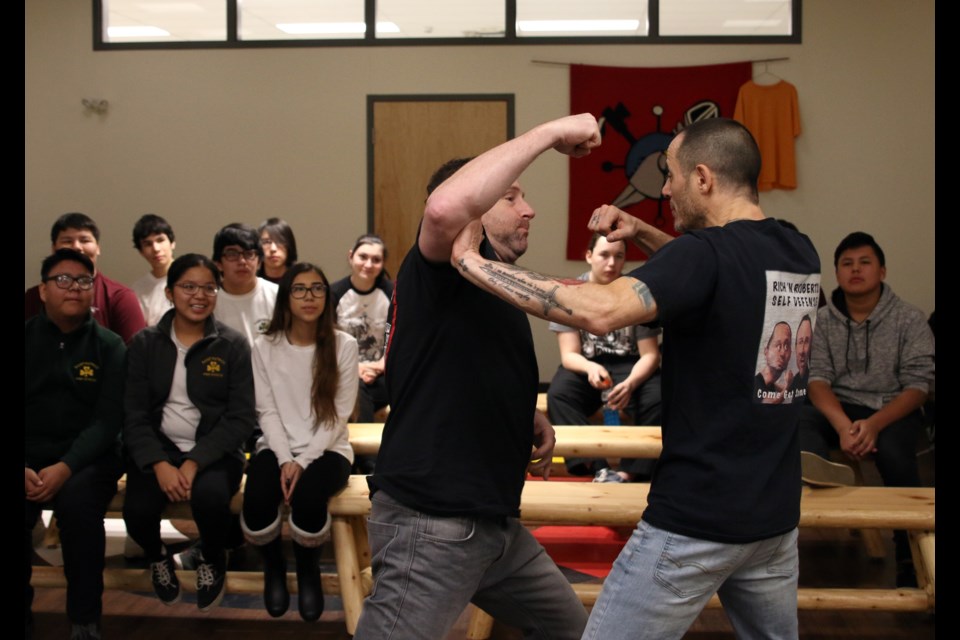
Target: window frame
{"points": [[510, 37]]}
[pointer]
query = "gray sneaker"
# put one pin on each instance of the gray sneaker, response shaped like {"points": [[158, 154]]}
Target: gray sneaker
{"points": [[820, 472], [608, 475], [188, 559]]}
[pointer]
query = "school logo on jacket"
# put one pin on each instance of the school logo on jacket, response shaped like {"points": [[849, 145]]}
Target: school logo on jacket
{"points": [[213, 366], [85, 371]]}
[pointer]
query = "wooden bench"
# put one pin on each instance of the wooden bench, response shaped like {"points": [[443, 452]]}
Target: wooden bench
{"points": [[592, 441], [621, 505], [581, 503]]}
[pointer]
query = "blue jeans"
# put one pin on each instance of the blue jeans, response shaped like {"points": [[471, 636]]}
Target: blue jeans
{"points": [[427, 569], [661, 581]]}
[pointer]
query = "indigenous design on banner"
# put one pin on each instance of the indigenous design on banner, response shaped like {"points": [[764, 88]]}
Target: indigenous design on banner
{"points": [[639, 110]]}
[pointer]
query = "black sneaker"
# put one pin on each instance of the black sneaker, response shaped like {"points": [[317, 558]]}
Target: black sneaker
{"points": [[165, 582], [211, 580]]}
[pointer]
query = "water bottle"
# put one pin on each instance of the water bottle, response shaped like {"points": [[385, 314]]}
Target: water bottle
{"points": [[611, 417]]}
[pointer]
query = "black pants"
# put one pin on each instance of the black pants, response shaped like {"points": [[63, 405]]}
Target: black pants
{"points": [[79, 507], [213, 488], [370, 399], [571, 400], [896, 455], [262, 494]]}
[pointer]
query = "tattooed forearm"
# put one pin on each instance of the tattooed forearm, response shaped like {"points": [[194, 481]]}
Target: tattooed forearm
{"points": [[521, 284], [643, 292]]}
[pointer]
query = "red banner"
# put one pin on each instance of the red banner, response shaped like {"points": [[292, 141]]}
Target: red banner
{"points": [[640, 110]]}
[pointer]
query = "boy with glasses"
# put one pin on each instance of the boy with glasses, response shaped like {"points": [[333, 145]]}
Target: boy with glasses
{"points": [[246, 301], [73, 412]]}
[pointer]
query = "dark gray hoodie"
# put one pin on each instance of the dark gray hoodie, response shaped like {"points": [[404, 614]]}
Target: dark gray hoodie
{"points": [[871, 362]]}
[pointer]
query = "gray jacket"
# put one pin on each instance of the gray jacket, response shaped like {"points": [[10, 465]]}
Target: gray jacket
{"points": [[871, 362]]}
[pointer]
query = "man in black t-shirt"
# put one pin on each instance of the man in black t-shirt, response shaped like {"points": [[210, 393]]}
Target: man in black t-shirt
{"points": [[724, 502], [462, 381]]}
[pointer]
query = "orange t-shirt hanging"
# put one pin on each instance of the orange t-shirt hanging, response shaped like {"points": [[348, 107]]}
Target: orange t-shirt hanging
{"points": [[771, 114]]}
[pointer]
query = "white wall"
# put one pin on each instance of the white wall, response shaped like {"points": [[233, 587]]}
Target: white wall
{"points": [[207, 137]]}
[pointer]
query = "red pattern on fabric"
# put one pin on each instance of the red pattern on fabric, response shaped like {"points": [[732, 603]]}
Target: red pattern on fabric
{"points": [[627, 170]]}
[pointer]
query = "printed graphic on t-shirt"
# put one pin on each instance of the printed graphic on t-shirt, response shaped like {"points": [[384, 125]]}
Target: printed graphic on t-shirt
{"points": [[783, 356], [364, 316], [622, 342]]}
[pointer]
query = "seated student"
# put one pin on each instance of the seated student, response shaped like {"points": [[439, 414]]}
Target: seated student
{"points": [[245, 302], [189, 408], [362, 300], [305, 373], [626, 362], [153, 238], [279, 249], [871, 366], [115, 306], [73, 412]]}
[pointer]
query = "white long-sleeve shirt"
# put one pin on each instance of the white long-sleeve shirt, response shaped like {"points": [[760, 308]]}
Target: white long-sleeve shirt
{"points": [[283, 375]]}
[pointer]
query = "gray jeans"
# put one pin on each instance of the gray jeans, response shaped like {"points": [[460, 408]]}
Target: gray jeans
{"points": [[427, 569]]}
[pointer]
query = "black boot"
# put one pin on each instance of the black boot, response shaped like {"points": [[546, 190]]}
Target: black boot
{"points": [[276, 598], [310, 598]]}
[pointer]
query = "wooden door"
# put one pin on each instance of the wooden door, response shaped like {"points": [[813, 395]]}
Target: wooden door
{"points": [[410, 137]]}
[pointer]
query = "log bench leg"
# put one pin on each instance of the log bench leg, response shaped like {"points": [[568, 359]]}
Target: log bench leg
{"points": [[481, 624], [348, 569], [923, 546]]}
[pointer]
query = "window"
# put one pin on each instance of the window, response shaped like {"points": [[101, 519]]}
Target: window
{"points": [[145, 24]]}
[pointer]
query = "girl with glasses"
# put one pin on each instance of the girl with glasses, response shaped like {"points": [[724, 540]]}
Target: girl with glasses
{"points": [[305, 372], [189, 409]]}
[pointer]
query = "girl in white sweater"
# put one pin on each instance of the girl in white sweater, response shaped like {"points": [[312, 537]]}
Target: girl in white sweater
{"points": [[305, 372]]}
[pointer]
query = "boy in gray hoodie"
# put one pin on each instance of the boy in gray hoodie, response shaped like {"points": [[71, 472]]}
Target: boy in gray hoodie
{"points": [[871, 367]]}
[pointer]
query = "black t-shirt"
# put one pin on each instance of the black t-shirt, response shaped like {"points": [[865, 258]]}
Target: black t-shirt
{"points": [[462, 381], [730, 468]]}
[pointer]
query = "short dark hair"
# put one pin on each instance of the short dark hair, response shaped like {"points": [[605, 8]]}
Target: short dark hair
{"points": [[280, 232], [149, 224], [727, 147], [64, 255], [856, 240], [446, 170], [188, 261], [239, 234], [74, 220]]}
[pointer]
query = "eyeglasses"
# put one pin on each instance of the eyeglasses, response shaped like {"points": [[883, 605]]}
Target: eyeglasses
{"points": [[65, 281], [317, 290], [233, 255], [191, 288], [266, 242]]}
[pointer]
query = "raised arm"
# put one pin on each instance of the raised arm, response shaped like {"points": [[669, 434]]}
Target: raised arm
{"points": [[476, 187], [597, 308]]}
